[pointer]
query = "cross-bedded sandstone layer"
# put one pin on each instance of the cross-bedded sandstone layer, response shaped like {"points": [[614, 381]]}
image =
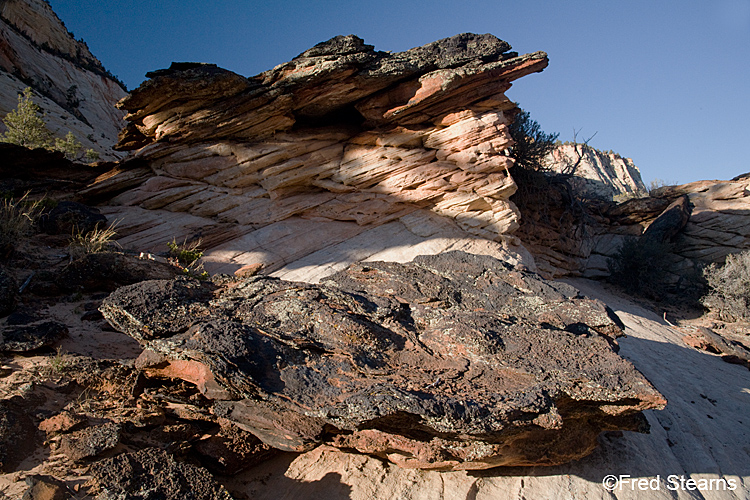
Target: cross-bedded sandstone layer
{"points": [[340, 133]]}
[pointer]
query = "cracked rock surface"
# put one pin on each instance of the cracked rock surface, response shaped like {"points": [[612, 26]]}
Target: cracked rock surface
{"points": [[454, 361]]}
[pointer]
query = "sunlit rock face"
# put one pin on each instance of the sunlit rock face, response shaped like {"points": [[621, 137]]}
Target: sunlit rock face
{"points": [[597, 174], [72, 87], [343, 135]]}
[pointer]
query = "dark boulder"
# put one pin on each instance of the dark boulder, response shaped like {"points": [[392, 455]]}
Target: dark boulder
{"points": [[107, 271], [8, 293], [32, 336], [152, 473], [69, 217], [455, 361], [90, 441]]}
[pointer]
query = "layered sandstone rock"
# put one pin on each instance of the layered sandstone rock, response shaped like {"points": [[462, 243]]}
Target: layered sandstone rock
{"points": [[702, 221], [453, 362], [72, 87], [343, 137]]}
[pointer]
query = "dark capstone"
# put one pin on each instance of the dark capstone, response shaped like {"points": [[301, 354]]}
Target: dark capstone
{"points": [[338, 46], [154, 474], [29, 337]]}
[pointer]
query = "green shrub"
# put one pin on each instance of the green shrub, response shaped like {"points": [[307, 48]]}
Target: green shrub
{"points": [[729, 288], [641, 268], [532, 144], [25, 127], [187, 256]]}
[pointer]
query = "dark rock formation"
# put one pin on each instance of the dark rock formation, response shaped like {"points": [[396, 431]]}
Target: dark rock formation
{"points": [[106, 271], [17, 433], [90, 442], [25, 338], [70, 217], [8, 293], [452, 362], [151, 473]]}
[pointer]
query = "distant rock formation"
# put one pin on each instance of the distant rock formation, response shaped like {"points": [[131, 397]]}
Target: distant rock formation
{"points": [[597, 174], [577, 239], [452, 362], [70, 84], [343, 136]]}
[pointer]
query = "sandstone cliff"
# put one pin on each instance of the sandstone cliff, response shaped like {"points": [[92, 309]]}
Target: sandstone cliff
{"points": [[597, 174], [70, 84], [340, 141]]}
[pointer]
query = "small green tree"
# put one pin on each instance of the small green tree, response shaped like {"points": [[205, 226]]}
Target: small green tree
{"points": [[25, 127], [25, 124], [70, 146], [532, 143]]}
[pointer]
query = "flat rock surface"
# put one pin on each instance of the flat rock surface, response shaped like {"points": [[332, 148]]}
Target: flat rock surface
{"points": [[453, 362]]}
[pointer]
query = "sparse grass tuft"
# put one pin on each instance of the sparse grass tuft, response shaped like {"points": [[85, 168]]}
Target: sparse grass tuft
{"points": [[59, 364], [95, 241], [17, 219]]}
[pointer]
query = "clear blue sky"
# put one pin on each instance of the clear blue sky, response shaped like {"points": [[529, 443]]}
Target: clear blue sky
{"points": [[663, 82]]}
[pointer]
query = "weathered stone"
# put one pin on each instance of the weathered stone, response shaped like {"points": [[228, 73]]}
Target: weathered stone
{"points": [[106, 271], [340, 133], [45, 488], [17, 433], [153, 473], [8, 293], [90, 442], [453, 362], [232, 450], [64, 421], [25, 338], [70, 217], [670, 222]]}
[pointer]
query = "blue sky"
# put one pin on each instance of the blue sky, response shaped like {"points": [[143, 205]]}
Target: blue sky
{"points": [[662, 82]]}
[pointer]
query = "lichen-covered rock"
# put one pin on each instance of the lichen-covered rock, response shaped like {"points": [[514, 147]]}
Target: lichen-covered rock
{"points": [[32, 336], [152, 473], [90, 441], [453, 362]]}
